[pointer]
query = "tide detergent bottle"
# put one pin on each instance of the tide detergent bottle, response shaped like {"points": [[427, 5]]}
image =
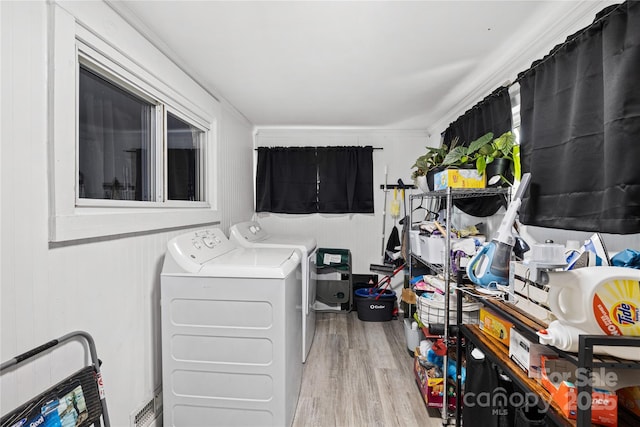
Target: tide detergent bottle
{"points": [[597, 301]]}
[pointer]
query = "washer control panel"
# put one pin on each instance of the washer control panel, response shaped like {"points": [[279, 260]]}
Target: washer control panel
{"points": [[191, 250], [250, 231]]}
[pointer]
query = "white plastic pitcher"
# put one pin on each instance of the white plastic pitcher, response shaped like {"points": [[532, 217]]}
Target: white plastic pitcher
{"points": [[598, 300]]}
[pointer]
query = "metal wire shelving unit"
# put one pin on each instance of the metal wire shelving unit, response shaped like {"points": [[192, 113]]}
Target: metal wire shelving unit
{"points": [[448, 195]]}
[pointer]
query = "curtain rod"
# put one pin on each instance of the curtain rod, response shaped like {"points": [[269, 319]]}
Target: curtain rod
{"points": [[570, 39], [373, 148]]}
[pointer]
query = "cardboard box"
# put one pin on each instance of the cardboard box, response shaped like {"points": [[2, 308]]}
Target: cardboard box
{"points": [[527, 354], [495, 326], [408, 296], [459, 178], [432, 389], [559, 378]]}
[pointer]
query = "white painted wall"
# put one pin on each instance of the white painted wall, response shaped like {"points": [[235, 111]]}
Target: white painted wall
{"points": [[107, 286], [361, 233], [235, 165]]}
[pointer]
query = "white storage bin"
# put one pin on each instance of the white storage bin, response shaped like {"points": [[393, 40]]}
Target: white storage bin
{"points": [[430, 249]]}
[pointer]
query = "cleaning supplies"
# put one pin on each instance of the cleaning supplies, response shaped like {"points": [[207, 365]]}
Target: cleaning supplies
{"points": [[490, 266], [394, 209], [594, 300], [565, 337], [597, 299]]}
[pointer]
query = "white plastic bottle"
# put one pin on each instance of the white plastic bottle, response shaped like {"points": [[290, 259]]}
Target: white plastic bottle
{"points": [[566, 337], [597, 300]]}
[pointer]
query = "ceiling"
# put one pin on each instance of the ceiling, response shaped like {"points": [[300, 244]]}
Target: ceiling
{"points": [[383, 64]]}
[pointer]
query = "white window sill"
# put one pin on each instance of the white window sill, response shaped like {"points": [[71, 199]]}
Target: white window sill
{"points": [[88, 223]]}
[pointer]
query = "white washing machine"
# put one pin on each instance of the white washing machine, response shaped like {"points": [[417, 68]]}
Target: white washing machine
{"points": [[231, 355], [251, 235]]}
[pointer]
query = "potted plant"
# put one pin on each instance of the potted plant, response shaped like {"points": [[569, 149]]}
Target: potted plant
{"points": [[495, 157], [428, 164], [461, 156], [499, 158]]}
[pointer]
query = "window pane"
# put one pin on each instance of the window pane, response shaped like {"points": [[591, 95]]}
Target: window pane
{"points": [[115, 142], [184, 157]]}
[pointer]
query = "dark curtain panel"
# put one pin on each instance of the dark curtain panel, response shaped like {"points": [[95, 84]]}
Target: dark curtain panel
{"points": [[492, 114], [286, 180], [580, 128], [181, 174], [345, 179]]}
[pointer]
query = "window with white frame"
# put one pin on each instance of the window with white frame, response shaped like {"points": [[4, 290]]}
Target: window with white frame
{"points": [[133, 138], [131, 147], [116, 141]]}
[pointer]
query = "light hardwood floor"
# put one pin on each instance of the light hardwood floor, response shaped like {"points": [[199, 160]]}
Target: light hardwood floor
{"points": [[360, 374]]}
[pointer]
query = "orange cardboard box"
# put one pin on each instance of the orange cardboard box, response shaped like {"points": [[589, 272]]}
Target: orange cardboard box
{"points": [[494, 325], [559, 378]]}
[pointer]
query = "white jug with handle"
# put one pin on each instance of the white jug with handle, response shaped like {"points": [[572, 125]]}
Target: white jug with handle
{"points": [[598, 300]]}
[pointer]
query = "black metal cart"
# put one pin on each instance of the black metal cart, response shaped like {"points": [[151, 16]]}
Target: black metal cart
{"points": [[77, 400]]}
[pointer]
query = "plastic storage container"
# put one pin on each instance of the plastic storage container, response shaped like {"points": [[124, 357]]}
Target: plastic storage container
{"points": [[375, 305], [413, 335]]}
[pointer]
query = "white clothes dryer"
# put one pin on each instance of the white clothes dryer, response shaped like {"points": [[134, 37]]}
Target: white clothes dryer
{"points": [[250, 234], [230, 356]]}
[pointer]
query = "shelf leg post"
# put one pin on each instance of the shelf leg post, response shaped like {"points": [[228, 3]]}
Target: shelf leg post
{"points": [[459, 358], [585, 360]]}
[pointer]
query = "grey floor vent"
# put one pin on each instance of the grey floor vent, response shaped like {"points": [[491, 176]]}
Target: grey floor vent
{"points": [[149, 413]]}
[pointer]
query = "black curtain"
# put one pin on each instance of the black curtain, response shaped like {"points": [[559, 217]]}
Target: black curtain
{"points": [[181, 174], [492, 114], [286, 180], [345, 179], [580, 111], [299, 180]]}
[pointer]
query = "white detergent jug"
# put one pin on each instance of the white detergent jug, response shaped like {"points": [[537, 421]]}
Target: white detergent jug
{"points": [[598, 300], [566, 337]]}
